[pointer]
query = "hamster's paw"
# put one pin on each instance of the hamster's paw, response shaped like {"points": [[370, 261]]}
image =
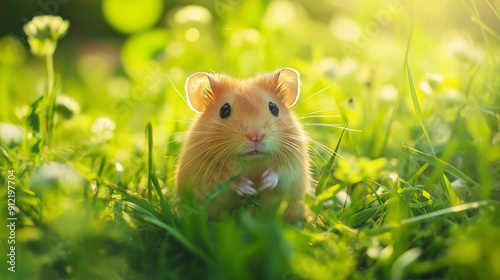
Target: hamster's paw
{"points": [[269, 179], [244, 187]]}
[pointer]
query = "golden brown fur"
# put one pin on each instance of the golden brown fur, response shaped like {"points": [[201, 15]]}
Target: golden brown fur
{"points": [[218, 148]]}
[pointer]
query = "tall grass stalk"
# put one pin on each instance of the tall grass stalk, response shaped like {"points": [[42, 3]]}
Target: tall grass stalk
{"points": [[436, 162], [151, 175], [414, 97], [52, 86], [323, 180]]}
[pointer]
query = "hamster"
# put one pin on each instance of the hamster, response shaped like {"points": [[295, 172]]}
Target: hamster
{"points": [[247, 131]]}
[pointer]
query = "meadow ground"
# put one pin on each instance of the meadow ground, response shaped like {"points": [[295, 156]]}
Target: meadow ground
{"points": [[400, 98]]}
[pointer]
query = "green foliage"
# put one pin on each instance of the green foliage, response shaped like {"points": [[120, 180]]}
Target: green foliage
{"points": [[409, 189]]}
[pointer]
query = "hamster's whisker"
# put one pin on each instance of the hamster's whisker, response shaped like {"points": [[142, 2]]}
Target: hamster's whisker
{"points": [[291, 154], [314, 166], [176, 90], [209, 149], [281, 157], [217, 127], [209, 127], [174, 120], [321, 145], [313, 149], [164, 145], [328, 150], [295, 137], [330, 125], [214, 167], [318, 117], [290, 146], [316, 93], [316, 112], [222, 159]]}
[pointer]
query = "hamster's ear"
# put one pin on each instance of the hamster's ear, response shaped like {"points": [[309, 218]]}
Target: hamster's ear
{"points": [[198, 90], [288, 81]]}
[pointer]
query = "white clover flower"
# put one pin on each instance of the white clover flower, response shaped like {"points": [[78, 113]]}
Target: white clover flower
{"points": [[389, 93], [67, 106], [57, 176], [425, 87], [11, 134], [434, 79], [103, 129], [44, 32], [60, 188], [193, 13]]}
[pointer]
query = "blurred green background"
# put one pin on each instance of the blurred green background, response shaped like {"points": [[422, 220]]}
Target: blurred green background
{"points": [[413, 193], [124, 58]]}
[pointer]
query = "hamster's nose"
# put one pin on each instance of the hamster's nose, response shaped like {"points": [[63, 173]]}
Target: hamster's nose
{"points": [[255, 137]]}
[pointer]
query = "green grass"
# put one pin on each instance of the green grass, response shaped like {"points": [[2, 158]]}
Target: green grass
{"points": [[409, 188]]}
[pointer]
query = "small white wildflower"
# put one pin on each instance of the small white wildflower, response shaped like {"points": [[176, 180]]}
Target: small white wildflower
{"points": [[67, 106], [193, 13], [434, 79], [103, 129], [389, 93], [44, 32], [329, 66], [11, 134], [425, 87], [56, 176]]}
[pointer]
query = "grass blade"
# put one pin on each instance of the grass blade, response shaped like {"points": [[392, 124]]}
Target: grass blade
{"points": [[219, 189], [401, 264], [493, 9], [178, 235], [5, 155], [133, 198], [435, 214], [450, 193], [32, 125], [51, 111], [152, 178], [149, 160], [328, 169], [447, 211], [433, 160], [476, 18], [416, 105], [149, 217]]}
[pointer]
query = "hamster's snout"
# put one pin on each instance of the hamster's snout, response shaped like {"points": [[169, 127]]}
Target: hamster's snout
{"points": [[255, 137], [256, 142]]}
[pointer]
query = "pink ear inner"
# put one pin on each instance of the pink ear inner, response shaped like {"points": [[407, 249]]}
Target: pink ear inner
{"points": [[197, 85]]}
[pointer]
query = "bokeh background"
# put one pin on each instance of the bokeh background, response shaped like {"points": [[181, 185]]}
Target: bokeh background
{"points": [[124, 58], [123, 64]]}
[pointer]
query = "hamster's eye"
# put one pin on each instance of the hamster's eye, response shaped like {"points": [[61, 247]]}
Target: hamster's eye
{"points": [[225, 111], [274, 109]]}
